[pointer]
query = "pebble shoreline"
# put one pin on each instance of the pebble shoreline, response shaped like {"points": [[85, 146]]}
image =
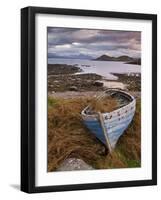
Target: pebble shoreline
{"points": [[62, 78]]}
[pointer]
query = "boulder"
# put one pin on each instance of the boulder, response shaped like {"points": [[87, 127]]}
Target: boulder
{"points": [[71, 164], [73, 88], [98, 84], [56, 81]]}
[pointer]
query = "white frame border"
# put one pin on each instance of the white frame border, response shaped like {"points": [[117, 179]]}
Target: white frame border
{"points": [[94, 176]]}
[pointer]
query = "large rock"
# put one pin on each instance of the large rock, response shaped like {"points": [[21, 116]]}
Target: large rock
{"points": [[71, 164], [73, 88], [98, 84]]}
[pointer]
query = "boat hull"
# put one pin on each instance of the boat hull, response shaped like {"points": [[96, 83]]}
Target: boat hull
{"points": [[115, 123]]}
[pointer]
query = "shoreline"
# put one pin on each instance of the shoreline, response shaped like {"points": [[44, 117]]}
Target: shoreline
{"points": [[62, 78], [76, 94]]}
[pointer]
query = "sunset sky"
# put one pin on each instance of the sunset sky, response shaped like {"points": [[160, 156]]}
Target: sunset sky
{"points": [[92, 43]]}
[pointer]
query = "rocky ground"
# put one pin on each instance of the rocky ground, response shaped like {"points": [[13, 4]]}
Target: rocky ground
{"points": [[133, 81], [77, 94], [71, 82], [71, 164], [62, 69], [62, 78]]}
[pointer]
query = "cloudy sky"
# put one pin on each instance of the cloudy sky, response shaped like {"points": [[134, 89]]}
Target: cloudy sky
{"points": [[92, 43]]}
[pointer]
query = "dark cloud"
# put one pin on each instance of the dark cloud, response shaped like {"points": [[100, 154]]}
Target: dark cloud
{"points": [[92, 42]]}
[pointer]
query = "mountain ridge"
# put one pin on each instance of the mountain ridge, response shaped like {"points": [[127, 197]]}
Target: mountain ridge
{"points": [[112, 58]]}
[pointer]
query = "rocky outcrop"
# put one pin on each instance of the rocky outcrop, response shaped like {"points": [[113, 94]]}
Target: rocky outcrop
{"points": [[110, 58], [71, 164]]}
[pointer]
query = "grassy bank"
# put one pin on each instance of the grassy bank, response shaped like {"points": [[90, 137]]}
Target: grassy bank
{"points": [[68, 137]]}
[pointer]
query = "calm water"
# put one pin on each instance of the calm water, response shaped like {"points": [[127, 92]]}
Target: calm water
{"points": [[103, 68]]}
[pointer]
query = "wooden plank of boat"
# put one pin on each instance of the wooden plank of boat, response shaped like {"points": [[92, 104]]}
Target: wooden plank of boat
{"points": [[105, 131]]}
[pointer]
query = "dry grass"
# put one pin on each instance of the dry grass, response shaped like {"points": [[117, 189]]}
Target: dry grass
{"points": [[106, 104], [68, 137]]}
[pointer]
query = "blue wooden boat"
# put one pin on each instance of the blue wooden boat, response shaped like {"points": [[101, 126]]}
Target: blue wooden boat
{"points": [[109, 126]]}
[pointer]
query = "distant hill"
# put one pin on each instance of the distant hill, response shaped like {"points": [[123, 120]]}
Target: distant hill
{"points": [[124, 58], [110, 58], [105, 58], [135, 62]]}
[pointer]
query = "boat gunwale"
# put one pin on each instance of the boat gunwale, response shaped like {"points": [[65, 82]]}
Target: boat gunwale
{"points": [[116, 110]]}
